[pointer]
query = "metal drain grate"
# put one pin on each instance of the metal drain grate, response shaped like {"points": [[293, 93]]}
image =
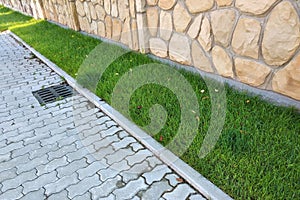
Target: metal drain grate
{"points": [[53, 93]]}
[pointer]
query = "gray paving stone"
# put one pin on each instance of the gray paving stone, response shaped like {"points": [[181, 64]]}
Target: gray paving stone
{"points": [[79, 154], [52, 165], [135, 171], [196, 197], [156, 174], [20, 137], [32, 164], [63, 195], [138, 157], [18, 180], [5, 157], [61, 152], [42, 151], [182, 191], [38, 195], [131, 189], [83, 186], [153, 161], [136, 146], [11, 147], [61, 184], [12, 194], [71, 168], [156, 190], [91, 169], [85, 196], [125, 142], [23, 150], [113, 170], [101, 153], [14, 162], [172, 178], [118, 155], [39, 182], [103, 190], [8, 174], [111, 131], [105, 142]]}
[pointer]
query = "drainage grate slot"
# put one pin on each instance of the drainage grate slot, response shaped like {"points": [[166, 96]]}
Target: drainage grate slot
{"points": [[53, 93]]}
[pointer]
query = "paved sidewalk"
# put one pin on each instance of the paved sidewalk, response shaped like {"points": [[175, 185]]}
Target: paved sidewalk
{"points": [[69, 149]]}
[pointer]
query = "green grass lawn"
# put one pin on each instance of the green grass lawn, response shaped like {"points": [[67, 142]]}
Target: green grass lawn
{"points": [[257, 155]]}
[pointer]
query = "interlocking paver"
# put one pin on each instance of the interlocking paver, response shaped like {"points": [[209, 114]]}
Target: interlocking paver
{"points": [[61, 184], [91, 169], [12, 194], [182, 191], [156, 189], [106, 187], [72, 167], [39, 194], [39, 182], [32, 164], [131, 189], [61, 195], [83, 186], [68, 149], [156, 174], [52, 165], [18, 180]]}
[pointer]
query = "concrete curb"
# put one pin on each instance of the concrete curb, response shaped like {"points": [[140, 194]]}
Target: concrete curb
{"points": [[200, 183]]}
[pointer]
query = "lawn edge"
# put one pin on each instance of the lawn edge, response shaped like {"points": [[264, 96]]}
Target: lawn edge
{"points": [[198, 181]]}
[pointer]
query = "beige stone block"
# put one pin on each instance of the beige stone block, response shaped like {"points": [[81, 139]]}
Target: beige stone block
{"points": [[256, 7], [116, 29], [140, 5], [107, 6], [251, 72], [166, 4], [200, 60], [205, 36], [194, 29], [222, 22], [152, 20], [126, 33], [100, 11], [152, 2], [84, 23], [158, 47], [287, 80], [93, 11], [108, 26], [135, 39], [166, 25], [143, 32], [101, 29], [123, 7], [181, 18], [282, 35], [224, 2], [179, 49], [222, 62], [196, 6], [94, 27], [87, 11], [114, 8], [132, 8], [246, 37]]}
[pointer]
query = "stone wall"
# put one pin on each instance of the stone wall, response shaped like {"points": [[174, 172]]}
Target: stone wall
{"points": [[252, 41]]}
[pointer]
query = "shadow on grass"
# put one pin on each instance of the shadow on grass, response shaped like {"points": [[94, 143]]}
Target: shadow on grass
{"points": [[9, 18]]}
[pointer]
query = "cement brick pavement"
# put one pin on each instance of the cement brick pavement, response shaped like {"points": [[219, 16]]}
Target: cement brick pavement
{"points": [[69, 149]]}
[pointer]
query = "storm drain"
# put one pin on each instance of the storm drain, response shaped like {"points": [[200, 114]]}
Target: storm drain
{"points": [[53, 93]]}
